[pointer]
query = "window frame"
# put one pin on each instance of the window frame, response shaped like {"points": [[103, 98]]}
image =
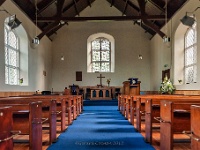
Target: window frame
{"points": [[192, 47], [101, 50], [7, 49]]}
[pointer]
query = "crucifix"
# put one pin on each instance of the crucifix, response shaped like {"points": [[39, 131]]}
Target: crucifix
{"points": [[100, 80]]}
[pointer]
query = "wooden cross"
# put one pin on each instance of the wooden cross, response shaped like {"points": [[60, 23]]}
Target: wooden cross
{"points": [[100, 79]]}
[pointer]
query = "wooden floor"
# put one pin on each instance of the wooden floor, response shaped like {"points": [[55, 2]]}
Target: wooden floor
{"points": [[178, 145]]}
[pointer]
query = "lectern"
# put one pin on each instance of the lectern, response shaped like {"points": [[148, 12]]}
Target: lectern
{"points": [[131, 87]]}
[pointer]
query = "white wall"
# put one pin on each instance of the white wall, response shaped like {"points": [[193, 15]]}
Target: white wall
{"points": [[40, 58], [71, 41], [162, 54]]}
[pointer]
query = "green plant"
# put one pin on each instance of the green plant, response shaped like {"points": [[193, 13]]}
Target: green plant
{"points": [[21, 80], [167, 87]]}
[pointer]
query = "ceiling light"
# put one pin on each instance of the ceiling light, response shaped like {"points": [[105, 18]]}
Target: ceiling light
{"points": [[36, 40], [166, 39], [139, 56]]}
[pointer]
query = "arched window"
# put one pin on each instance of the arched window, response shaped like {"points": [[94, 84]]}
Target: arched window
{"points": [[190, 67], [100, 53], [16, 55], [11, 57]]}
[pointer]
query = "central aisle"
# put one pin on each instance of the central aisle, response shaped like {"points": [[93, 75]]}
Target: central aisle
{"points": [[98, 128]]}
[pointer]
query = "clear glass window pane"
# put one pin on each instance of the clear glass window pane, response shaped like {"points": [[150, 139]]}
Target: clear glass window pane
{"points": [[95, 67], [105, 67], [13, 78], [6, 56], [105, 55], [105, 44], [6, 75], [12, 40], [189, 74], [96, 44], [95, 55], [190, 38], [5, 36], [190, 56], [11, 57]]}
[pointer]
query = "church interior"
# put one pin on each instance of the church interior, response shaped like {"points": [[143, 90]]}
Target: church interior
{"points": [[131, 66]]}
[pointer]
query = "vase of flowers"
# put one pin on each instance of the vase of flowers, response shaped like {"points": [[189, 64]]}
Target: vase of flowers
{"points": [[167, 87], [108, 81]]}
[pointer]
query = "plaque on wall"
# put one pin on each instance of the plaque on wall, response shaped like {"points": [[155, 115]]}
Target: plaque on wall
{"points": [[78, 75]]}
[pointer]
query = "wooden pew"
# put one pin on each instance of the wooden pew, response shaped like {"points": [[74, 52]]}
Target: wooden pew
{"points": [[174, 118], [27, 118], [73, 104], [49, 111], [194, 133], [61, 103], [152, 111], [140, 105], [6, 127]]}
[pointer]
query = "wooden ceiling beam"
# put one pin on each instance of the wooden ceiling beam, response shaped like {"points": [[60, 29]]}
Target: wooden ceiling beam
{"points": [[125, 7], [155, 28], [60, 4], [2, 1], [133, 6], [113, 18], [44, 4], [75, 5], [48, 29], [112, 3], [89, 3], [158, 3], [69, 6]]}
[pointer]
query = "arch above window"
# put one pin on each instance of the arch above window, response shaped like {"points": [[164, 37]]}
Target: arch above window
{"points": [[100, 53]]}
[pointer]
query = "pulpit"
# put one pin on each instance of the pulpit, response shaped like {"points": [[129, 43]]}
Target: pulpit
{"points": [[74, 89], [131, 87]]}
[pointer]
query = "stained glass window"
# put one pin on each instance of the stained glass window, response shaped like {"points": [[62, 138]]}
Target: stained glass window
{"points": [[101, 54], [191, 55], [11, 57]]}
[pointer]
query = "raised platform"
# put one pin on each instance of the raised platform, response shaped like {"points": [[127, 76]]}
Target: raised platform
{"points": [[99, 102]]}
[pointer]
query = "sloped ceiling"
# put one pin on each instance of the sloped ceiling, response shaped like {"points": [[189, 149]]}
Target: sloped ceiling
{"points": [[51, 15]]}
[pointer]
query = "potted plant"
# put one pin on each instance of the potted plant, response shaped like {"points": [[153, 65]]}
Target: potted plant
{"points": [[167, 87]]}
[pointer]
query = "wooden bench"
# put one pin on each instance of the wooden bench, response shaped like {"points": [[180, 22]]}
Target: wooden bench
{"points": [[6, 128], [140, 105], [174, 118], [152, 110], [48, 111], [70, 104], [194, 133], [27, 118]]}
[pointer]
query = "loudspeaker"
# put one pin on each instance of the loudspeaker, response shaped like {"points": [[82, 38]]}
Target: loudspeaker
{"points": [[188, 21], [13, 22]]}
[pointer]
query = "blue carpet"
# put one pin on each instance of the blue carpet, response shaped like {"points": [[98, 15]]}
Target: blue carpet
{"points": [[100, 128]]}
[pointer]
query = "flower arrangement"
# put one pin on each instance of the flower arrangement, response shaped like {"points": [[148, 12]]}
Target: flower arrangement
{"points": [[167, 87], [108, 81]]}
